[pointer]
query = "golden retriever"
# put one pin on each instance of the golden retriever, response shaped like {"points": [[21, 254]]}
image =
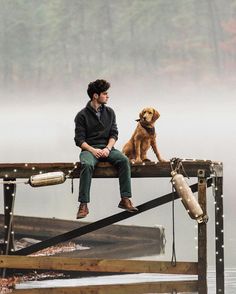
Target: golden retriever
{"points": [[143, 137]]}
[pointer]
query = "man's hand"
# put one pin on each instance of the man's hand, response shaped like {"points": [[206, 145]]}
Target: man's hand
{"points": [[105, 152], [97, 152]]}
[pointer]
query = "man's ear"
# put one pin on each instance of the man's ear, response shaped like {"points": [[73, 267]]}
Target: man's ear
{"points": [[95, 95]]}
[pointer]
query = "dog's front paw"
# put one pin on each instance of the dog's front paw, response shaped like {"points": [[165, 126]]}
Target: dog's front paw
{"points": [[146, 160], [138, 161]]}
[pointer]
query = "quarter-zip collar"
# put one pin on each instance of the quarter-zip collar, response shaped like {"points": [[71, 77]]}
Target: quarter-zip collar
{"points": [[89, 106]]}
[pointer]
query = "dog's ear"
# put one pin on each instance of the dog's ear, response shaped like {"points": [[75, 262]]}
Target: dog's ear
{"points": [[141, 114], [156, 115]]}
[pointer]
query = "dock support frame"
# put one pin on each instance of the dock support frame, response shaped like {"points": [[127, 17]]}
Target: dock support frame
{"points": [[202, 234], [209, 174], [9, 201], [219, 232]]}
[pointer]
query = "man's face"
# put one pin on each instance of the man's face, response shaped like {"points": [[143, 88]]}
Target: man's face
{"points": [[103, 97]]}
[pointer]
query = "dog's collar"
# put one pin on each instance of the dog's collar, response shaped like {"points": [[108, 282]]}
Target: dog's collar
{"points": [[150, 131]]}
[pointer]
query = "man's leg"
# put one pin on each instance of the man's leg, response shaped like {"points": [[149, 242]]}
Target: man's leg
{"points": [[121, 162], [87, 161]]}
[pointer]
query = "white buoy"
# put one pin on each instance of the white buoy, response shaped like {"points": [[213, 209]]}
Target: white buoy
{"points": [[189, 201], [47, 179]]}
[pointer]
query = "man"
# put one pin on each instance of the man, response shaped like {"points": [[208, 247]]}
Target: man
{"points": [[96, 134]]}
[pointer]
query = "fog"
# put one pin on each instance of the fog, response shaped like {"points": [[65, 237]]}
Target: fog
{"points": [[195, 125], [197, 106]]}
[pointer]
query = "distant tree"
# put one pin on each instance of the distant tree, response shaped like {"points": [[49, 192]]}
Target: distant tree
{"points": [[58, 42]]}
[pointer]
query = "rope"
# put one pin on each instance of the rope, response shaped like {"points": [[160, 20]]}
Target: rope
{"points": [[70, 175], [178, 166], [176, 169], [173, 258]]}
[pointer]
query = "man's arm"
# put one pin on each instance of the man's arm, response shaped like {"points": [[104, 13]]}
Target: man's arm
{"points": [[80, 130], [111, 143], [113, 137], [114, 129], [80, 137], [106, 151]]}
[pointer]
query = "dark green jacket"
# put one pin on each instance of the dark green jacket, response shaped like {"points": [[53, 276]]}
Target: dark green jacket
{"points": [[92, 130]]}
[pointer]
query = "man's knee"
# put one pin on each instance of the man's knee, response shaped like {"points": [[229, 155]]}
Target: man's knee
{"points": [[87, 166], [87, 161], [123, 160]]}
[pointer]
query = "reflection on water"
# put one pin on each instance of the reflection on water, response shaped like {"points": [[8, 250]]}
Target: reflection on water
{"points": [[147, 281], [230, 281]]}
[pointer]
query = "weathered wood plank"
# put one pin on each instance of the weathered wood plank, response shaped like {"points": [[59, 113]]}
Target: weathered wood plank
{"points": [[219, 234], [97, 265], [202, 236], [105, 170], [135, 288]]}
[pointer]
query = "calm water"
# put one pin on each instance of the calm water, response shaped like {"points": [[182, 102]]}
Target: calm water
{"points": [[230, 281]]}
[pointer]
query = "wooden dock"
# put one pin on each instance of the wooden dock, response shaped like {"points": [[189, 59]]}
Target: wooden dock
{"points": [[208, 174]]}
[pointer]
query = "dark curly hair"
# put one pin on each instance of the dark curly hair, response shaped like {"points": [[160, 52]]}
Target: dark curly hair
{"points": [[97, 87]]}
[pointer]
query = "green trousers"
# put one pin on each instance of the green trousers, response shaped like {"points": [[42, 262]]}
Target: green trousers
{"points": [[88, 162]]}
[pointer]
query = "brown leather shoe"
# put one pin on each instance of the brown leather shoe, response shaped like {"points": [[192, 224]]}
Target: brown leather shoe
{"points": [[82, 211], [126, 204]]}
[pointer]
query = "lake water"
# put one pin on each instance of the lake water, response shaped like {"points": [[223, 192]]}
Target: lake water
{"points": [[230, 281]]}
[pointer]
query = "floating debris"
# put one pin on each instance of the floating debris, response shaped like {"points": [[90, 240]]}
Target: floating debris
{"points": [[35, 276], [60, 248], [7, 285]]}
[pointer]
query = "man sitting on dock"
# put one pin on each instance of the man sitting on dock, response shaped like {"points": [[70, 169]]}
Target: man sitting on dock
{"points": [[96, 134]]}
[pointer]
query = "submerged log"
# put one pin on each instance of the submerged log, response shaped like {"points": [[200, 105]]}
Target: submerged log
{"points": [[115, 241]]}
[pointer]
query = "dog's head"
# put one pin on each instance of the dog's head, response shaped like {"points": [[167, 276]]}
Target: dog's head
{"points": [[149, 115]]}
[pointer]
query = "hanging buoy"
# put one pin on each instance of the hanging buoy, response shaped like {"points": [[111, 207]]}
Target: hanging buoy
{"points": [[53, 178], [189, 201]]}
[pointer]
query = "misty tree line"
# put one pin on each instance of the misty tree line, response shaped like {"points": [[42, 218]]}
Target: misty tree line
{"points": [[49, 42]]}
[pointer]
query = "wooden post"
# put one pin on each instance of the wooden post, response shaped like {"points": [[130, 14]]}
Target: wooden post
{"points": [[9, 200], [219, 234], [202, 235]]}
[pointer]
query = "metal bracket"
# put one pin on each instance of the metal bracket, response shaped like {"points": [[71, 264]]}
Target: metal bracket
{"points": [[201, 173]]}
